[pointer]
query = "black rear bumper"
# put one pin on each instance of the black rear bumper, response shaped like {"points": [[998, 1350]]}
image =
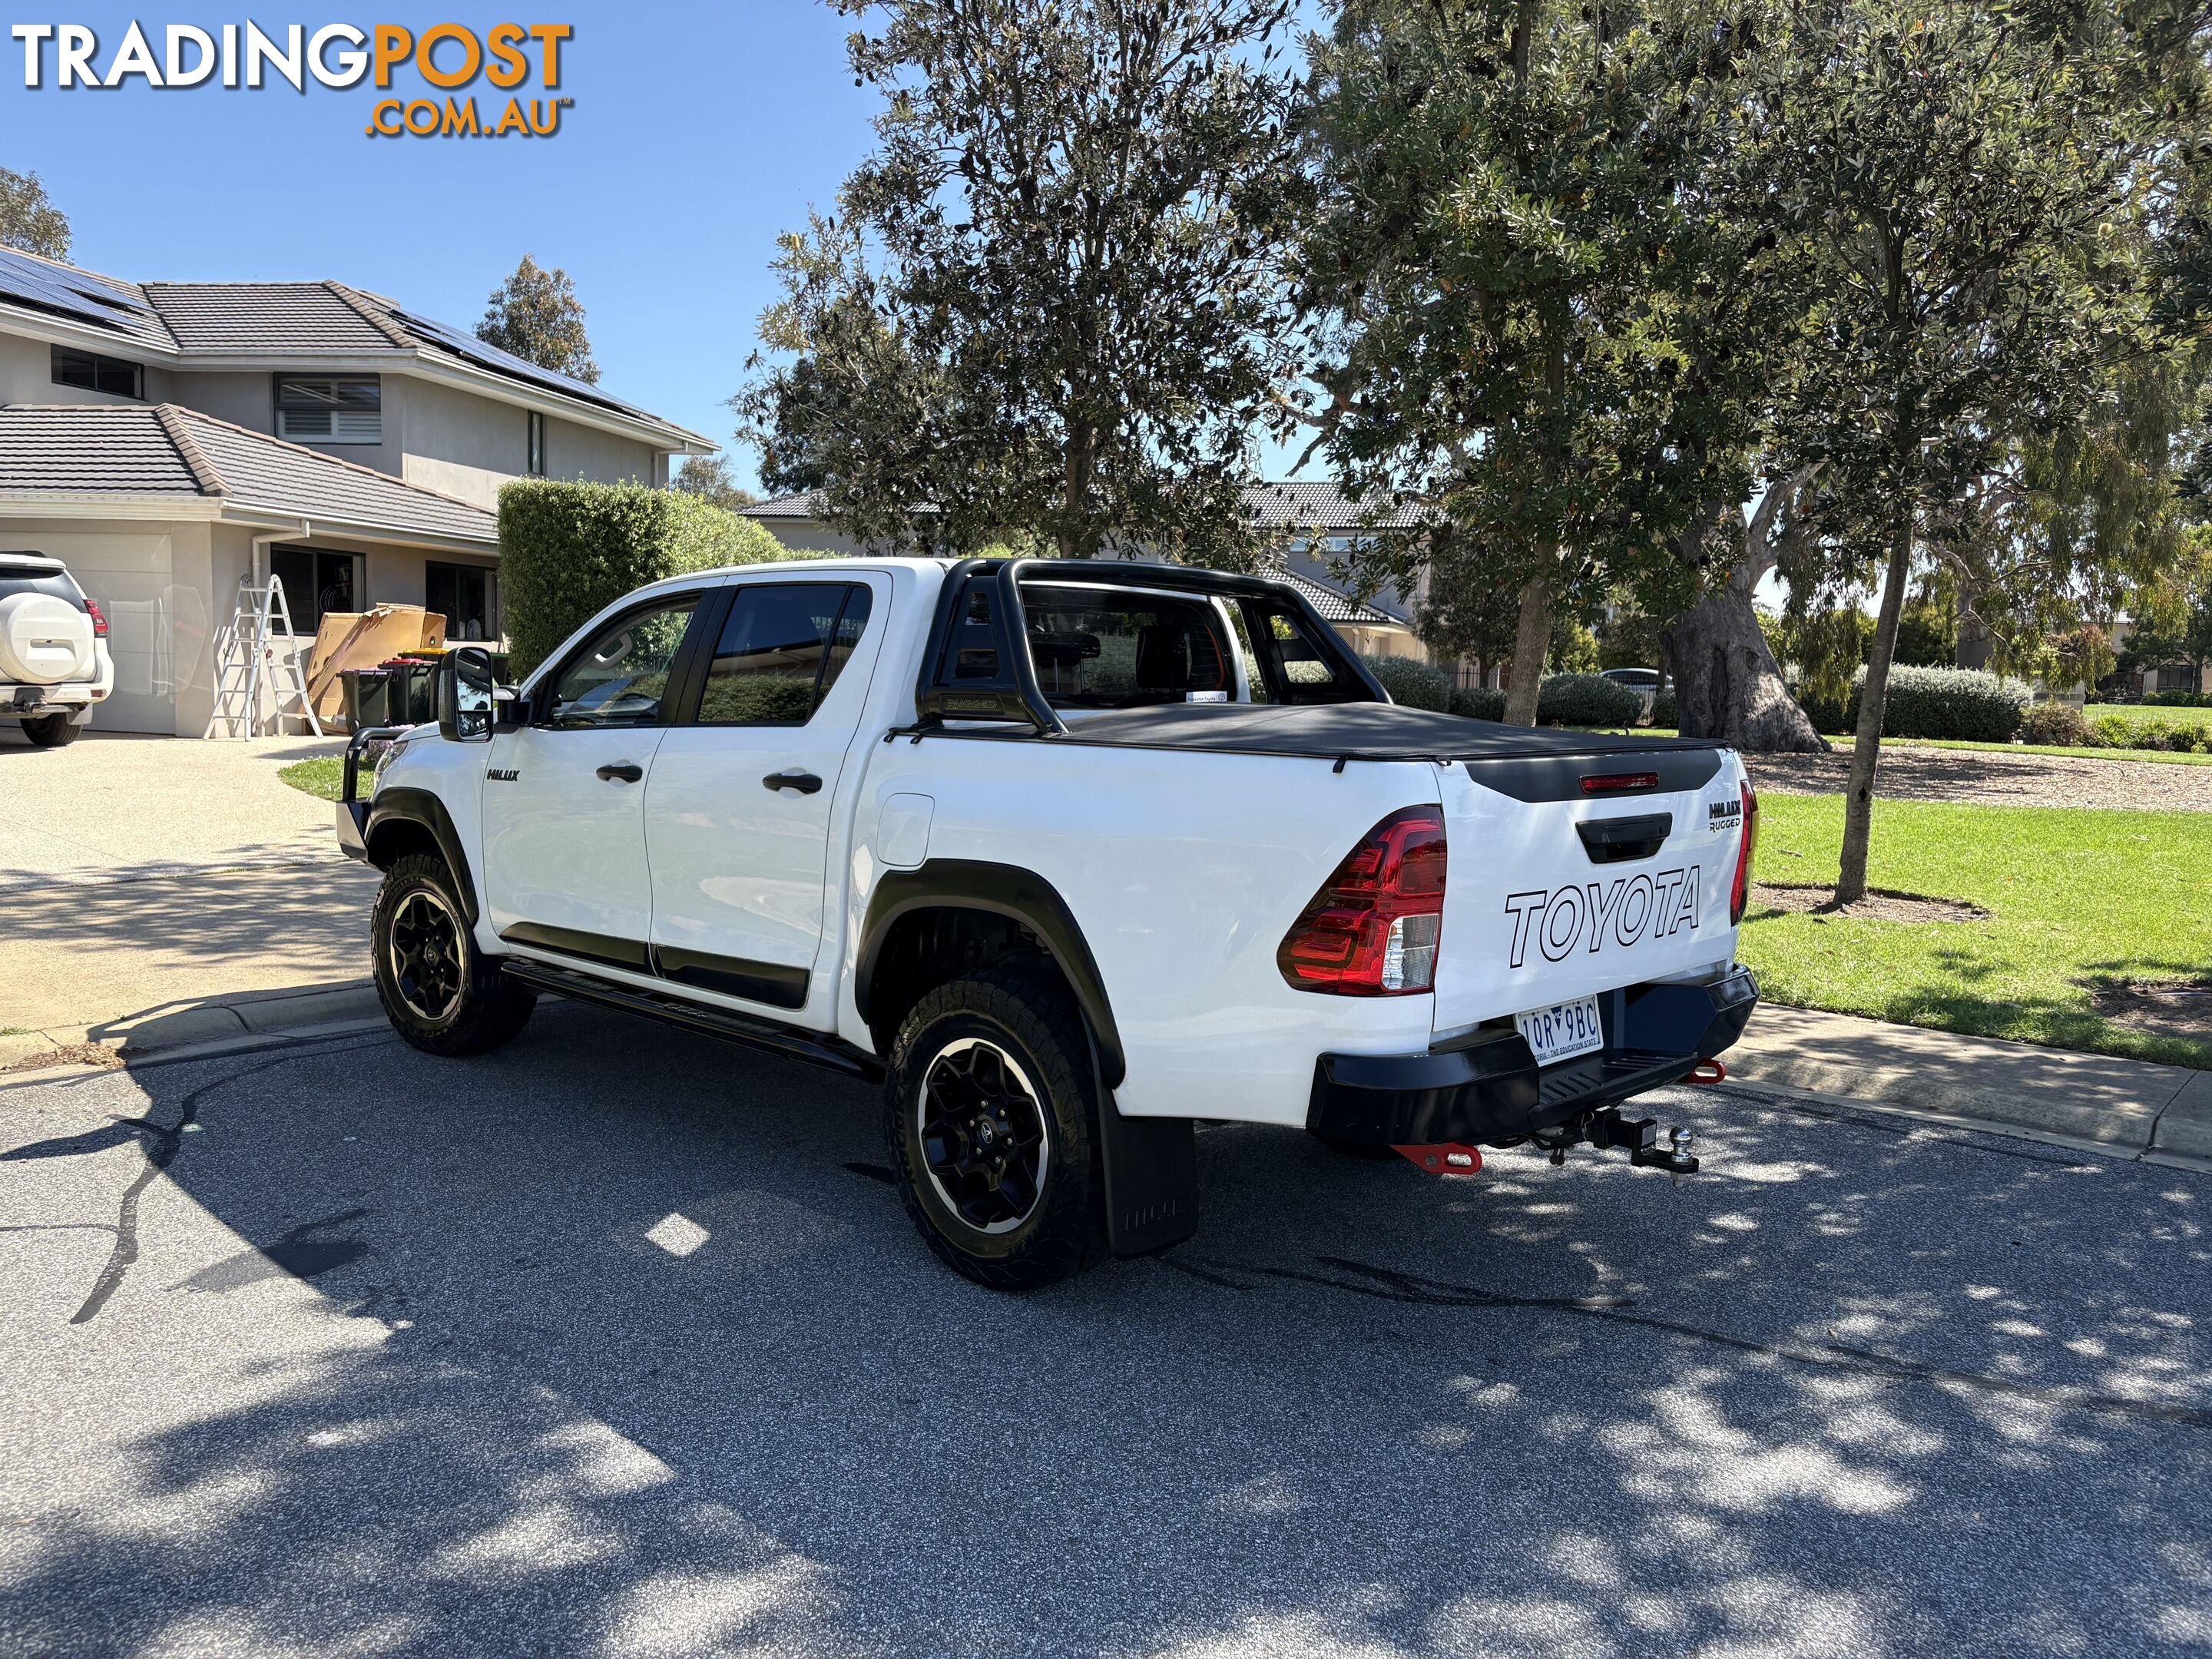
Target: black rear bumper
{"points": [[1487, 1087]]}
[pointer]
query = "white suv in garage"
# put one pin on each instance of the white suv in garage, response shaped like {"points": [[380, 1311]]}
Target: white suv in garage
{"points": [[54, 665]]}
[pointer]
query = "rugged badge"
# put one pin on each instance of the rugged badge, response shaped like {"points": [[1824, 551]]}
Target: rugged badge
{"points": [[1725, 814]]}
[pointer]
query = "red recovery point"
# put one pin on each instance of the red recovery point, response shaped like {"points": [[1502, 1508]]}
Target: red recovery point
{"points": [[1447, 1157]]}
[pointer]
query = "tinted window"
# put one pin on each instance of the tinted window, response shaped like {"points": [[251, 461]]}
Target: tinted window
{"points": [[620, 678], [780, 651], [58, 585], [1099, 648]]}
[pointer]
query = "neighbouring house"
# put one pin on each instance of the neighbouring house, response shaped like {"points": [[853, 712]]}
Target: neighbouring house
{"points": [[1315, 519], [170, 439]]}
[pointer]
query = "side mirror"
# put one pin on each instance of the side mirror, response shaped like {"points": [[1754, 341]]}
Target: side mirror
{"points": [[467, 695]]}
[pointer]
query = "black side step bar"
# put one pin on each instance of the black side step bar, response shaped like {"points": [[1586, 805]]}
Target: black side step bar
{"points": [[765, 1036]]}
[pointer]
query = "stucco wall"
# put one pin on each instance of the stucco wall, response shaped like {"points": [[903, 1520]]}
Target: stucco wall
{"points": [[810, 535], [579, 451]]}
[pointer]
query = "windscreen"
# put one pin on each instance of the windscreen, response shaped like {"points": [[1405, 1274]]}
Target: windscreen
{"points": [[1103, 647]]}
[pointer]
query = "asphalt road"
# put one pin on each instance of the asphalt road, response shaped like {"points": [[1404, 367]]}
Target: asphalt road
{"points": [[617, 1343]]}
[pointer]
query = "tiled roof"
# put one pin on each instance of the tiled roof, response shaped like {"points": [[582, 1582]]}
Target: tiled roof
{"points": [[285, 318], [1334, 604], [1288, 506], [291, 320], [1296, 505], [162, 449], [89, 448]]}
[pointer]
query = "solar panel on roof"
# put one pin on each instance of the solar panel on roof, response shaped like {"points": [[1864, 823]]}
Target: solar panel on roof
{"points": [[505, 362], [57, 288]]}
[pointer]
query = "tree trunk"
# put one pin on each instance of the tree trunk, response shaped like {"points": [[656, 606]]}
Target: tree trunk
{"points": [[1728, 686], [1532, 638], [1974, 649], [1866, 751]]}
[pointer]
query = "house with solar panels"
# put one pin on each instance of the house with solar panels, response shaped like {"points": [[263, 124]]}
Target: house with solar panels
{"points": [[1317, 522], [168, 438]]}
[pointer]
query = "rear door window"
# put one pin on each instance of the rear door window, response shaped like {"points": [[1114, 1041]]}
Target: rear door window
{"points": [[1104, 648], [781, 648]]}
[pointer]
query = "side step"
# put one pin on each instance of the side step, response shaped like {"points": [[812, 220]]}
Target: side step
{"points": [[815, 1048]]}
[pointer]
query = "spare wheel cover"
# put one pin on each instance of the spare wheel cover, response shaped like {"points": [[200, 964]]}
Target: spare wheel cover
{"points": [[44, 639]]}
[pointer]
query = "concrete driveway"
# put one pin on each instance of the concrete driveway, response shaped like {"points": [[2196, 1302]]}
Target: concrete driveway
{"points": [[617, 1343], [150, 882]]}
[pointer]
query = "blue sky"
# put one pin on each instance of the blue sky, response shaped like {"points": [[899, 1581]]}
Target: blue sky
{"points": [[698, 133]]}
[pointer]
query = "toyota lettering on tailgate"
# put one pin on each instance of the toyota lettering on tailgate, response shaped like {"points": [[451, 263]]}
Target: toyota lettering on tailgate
{"points": [[1559, 919]]}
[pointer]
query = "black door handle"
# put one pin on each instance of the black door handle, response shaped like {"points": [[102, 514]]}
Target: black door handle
{"points": [[806, 782], [625, 773]]}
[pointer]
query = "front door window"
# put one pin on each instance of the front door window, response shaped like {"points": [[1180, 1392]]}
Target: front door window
{"points": [[621, 678]]}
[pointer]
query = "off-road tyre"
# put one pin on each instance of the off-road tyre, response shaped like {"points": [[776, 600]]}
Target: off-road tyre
{"points": [[1020, 1008], [52, 731], [458, 1002]]}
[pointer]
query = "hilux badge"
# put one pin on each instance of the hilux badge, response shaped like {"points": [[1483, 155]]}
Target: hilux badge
{"points": [[1726, 814]]}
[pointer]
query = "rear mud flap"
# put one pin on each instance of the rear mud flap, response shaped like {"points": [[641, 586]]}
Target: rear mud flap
{"points": [[1152, 1179]]}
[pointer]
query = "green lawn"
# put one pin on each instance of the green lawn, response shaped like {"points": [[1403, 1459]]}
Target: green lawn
{"points": [[324, 777], [2140, 712], [2077, 898]]}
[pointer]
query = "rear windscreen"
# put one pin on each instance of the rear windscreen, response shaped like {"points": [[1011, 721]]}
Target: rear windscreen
{"points": [[59, 585], [1101, 648]]}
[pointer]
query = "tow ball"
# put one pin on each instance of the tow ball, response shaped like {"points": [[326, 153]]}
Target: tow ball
{"points": [[1446, 1157]]}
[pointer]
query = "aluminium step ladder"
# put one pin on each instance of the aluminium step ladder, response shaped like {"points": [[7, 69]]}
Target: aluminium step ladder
{"points": [[249, 662]]}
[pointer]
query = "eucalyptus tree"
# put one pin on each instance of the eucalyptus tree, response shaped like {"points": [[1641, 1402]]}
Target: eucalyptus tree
{"points": [[1965, 190], [1538, 320], [535, 314], [27, 220], [1050, 303]]}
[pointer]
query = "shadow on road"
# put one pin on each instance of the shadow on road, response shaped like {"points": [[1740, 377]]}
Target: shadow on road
{"points": [[621, 1347]]}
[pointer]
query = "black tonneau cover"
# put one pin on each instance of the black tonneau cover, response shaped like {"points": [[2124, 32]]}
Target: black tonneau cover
{"points": [[1543, 763]]}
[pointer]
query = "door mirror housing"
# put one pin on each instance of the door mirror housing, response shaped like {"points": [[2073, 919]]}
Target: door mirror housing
{"points": [[468, 695]]}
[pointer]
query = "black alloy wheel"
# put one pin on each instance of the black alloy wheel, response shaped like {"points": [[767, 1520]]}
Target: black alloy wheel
{"points": [[428, 963], [984, 1139]]}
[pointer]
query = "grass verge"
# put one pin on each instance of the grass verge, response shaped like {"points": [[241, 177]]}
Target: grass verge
{"points": [[322, 777], [2078, 900]]}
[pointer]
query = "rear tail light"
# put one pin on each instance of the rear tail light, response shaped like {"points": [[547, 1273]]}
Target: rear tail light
{"points": [[1739, 894], [1372, 929], [98, 622]]}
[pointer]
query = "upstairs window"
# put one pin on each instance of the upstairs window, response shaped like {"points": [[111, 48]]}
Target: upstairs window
{"points": [[331, 409], [536, 457], [90, 372]]}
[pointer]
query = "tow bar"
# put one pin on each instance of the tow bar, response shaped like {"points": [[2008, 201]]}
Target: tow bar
{"points": [[1607, 1129]]}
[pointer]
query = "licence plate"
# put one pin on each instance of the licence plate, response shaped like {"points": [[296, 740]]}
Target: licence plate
{"points": [[1563, 1031]]}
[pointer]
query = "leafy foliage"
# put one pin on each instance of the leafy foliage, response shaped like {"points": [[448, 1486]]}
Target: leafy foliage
{"points": [[1412, 682], [27, 220], [1479, 702], [1586, 700], [1511, 277], [567, 550], [1960, 703], [2057, 725], [535, 315], [708, 476], [1050, 305]]}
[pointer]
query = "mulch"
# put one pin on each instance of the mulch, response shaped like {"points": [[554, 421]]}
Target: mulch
{"points": [[1874, 905], [1990, 777]]}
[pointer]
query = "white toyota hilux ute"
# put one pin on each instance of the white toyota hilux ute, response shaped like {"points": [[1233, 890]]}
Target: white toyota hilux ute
{"points": [[1073, 857]]}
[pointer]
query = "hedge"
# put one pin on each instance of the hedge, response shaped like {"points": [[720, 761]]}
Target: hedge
{"points": [[1479, 702], [1586, 700], [1413, 683], [2179, 699], [569, 549], [1964, 704], [2058, 725], [1666, 710]]}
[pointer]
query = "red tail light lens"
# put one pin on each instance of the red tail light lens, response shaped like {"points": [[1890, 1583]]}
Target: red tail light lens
{"points": [[1739, 894], [1372, 930], [98, 622]]}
